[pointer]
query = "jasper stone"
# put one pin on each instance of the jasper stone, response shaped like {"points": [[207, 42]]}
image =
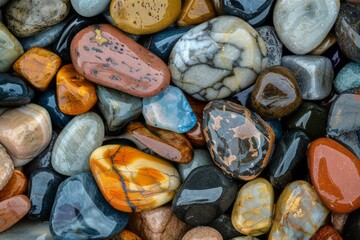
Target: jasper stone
{"points": [[131, 180], [14, 91], [198, 233], [72, 149], [169, 145], [25, 18], [25, 132], [21, 230], [317, 18], [106, 56], [118, 108], [195, 12], [299, 212], [144, 17], [12, 210], [326, 233], [204, 195], [273, 44], [169, 110], [90, 8], [253, 208], [227, 49], [352, 226], [335, 174], [10, 50], [81, 212], [75, 95], [276, 93], [347, 30], [239, 141], [314, 74], [288, 162], [201, 158], [38, 66], [348, 78], [17, 185], [6, 167]]}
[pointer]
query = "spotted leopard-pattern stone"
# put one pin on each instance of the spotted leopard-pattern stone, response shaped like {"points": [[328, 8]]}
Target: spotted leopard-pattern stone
{"points": [[239, 141], [218, 58]]}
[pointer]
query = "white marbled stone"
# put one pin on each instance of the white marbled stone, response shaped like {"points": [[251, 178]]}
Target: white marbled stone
{"points": [[218, 58], [303, 25]]}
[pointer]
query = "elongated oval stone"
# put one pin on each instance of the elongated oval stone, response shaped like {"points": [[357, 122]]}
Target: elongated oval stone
{"points": [[106, 56], [239, 141], [217, 58], [131, 180], [12, 210], [10, 50], [72, 149], [335, 174], [299, 212]]}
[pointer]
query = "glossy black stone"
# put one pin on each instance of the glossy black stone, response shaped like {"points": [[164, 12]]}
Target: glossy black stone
{"points": [[43, 184], [352, 226], [204, 196], [14, 91], [81, 212], [121, 141], [224, 226], [288, 163]]}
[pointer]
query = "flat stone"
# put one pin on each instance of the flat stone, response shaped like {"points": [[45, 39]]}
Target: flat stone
{"points": [[14, 91], [131, 180], [335, 174], [299, 212], [72, 149], [6, 167], [249, 140], [326, 232], [12, 210], [317, 18], [194, 12], [227, 49], [198, 233], [276, 93], [25, 132], [348, 78], [169, 110], [10, 50], [253, 208], [201, 158], [21, 230], [26, 18], [106, 56], [204, 195], [273, 45], [17, 185], [144, 17], [352, 226], [90, 8], [81, 212], [314, 74]]}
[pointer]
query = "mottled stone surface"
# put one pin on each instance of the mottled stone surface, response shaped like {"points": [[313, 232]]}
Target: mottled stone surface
{"points": [[200, 233], [195, 12], [14, 91], [10, 49], [239, 141], [201, 158], [348, 77], [273, 44], [338, 221], [303, 26], [90, 8], [253, 208], [12, 210], [326, 233], [6, 167], [299, 212], [314, 75], [72, 149], [227, 49]]}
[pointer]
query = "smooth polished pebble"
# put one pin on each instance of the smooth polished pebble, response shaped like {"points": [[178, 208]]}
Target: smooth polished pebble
{"points": [[202, 233], [253, 208], [90, 8], [81, 212], [126, 235], [195, 12], [14, 91], [131, 180], [326, 233], [26, 18], [21, 230], [350, 140], [327, 43], [314, 74], [303, 26], [352, 226], [25, 132], [144, 17], [12, 210], [106, 56], [217, 58], [224, 226], [118, 108], [6, 167], [273, 44], [299, 212], [195, 135], [201, 157], [348, 77], [17, 185], [169, 110], [72, 149]]}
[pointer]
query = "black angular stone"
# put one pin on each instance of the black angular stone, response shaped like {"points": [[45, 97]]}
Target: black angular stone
{"points": [[121, 141], [224, 226], [14, 91]]}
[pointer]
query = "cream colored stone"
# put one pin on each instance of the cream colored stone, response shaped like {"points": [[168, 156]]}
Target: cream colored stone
{"points": [[6, 167]]}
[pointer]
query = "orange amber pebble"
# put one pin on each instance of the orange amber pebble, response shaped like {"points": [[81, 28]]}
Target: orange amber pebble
{"points": [[126, 235], [196, 12], [12, 210], [38, 66], [17, 185], [75, 95], [131, 180]]}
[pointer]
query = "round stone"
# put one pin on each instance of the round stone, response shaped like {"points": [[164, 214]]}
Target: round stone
{"points": [[90, 8]]}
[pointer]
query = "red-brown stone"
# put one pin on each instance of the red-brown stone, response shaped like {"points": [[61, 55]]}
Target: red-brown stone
{"points": [[326, 233], [12, 210]]}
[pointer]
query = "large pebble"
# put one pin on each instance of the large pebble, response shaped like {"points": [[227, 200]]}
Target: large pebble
{"points": [[12, 210], [10, 49], [106, 56], [302, 26], [217, 58], [90, 8], [14, 91], [348, 77], [6, 167], [72, 149], [249, 140]]}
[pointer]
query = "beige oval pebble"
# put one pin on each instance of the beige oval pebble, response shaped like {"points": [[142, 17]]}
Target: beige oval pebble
{"points": [[202, 233], [6, 167], [25, 132]]}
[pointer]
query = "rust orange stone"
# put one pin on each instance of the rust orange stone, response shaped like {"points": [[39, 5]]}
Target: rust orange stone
{"points": [[170, 145], [38, 66], [126, 235], [131, 180], [12, 210], [195, 135], [335, 174], [195, 12], [326, 233], [75, 95], [17, 185]]}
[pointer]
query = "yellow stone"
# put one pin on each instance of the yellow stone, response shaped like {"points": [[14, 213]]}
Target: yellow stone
{"points": [[144, 17], [195, 12]]}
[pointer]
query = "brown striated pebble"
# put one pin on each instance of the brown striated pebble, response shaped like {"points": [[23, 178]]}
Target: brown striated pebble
{"points": [[12, 210], [338, 220], [158, 224], [202, 233], [326, 233], [6, 167], [17, 185]]}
